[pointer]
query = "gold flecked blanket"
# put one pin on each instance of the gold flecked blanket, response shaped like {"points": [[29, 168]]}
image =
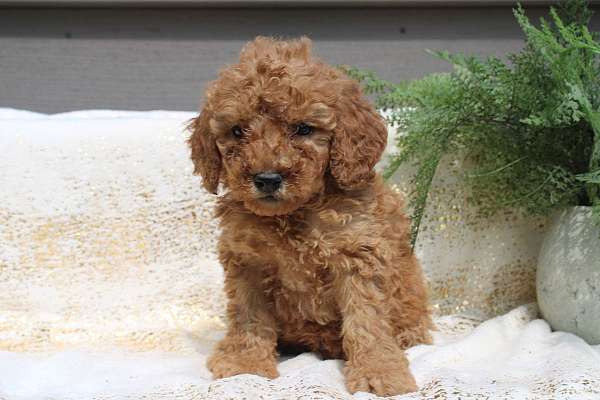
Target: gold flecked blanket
{"points": [[107, 244]]}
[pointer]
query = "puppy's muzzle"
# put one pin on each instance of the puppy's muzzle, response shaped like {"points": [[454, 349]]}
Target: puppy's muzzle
{"points": [[268, 182]]}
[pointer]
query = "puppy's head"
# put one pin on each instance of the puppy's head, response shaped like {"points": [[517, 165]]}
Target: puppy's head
{"points": [[276, 125]]}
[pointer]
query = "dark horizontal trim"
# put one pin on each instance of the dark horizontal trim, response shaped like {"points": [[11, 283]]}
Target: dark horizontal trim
{"points": [[272, 3]]}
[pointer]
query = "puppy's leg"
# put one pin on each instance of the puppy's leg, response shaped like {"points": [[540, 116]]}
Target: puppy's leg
{"points": [[375, 361], [249, 346]]}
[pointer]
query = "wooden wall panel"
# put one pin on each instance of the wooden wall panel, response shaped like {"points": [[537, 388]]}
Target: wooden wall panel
{"points": [[59, 59]]}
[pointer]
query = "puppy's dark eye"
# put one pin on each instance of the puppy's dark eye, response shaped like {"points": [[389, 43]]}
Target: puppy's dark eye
{"points": [[302, 129], [237, 131]]}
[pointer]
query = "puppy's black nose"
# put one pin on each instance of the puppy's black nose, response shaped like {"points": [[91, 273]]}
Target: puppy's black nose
{"points": [[267, 182]]}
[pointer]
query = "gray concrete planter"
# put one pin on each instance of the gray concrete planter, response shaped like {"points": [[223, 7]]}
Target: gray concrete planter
{"points": [[568, 274]]}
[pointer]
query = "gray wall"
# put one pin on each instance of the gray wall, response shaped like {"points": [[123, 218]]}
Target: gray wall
{"points": [[59, 59]]}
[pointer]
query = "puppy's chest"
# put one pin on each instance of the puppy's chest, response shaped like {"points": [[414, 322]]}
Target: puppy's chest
{"points": [[299, 275], [298, 256]]}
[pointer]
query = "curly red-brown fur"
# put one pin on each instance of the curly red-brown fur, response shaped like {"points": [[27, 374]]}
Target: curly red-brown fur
{"points": [[325, 264]]}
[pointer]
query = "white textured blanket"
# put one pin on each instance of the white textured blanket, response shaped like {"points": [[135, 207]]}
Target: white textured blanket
{"points": [[508, 357], [109, 287]]}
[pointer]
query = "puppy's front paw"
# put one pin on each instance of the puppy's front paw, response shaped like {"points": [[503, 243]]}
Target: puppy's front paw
{"points": [[384, 379], [223, 365]]}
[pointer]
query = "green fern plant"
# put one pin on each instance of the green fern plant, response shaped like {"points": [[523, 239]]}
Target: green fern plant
{"points": [[530, 125]]}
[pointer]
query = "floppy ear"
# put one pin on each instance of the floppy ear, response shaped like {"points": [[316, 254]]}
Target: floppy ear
{"points": [[358, 140], [205, 155]]}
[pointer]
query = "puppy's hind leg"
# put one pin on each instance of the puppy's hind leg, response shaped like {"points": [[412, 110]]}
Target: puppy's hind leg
{"points": [[419, 334]]}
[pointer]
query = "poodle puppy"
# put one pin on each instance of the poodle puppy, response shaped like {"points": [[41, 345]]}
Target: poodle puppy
{"points": [[314, 246]]}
